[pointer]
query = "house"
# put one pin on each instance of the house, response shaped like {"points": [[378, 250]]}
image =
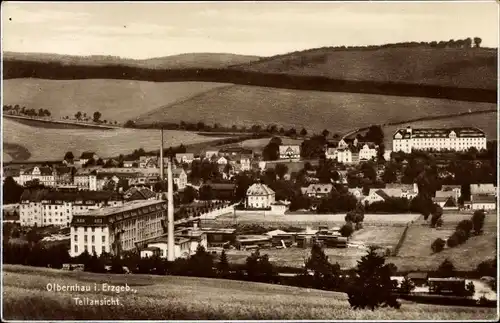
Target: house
{"points": [[135, 193], [210, 153], [418, 278], [483, 189], [368, 152], [159, 246], [457, 189], [260, 196], [344, 156], [387, 155], [291, 152], [222, 161], [375, 195], [382, 194], [184, 158], [86, 156], [331, 153], [179, 178], [483, 202], [130, 162], [408, 191], [234, 151], [446, 199], [63, 175], [356, 192], [45, 175], [245, 162], [318, 190]]}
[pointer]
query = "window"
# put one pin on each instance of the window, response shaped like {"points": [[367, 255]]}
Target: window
{"points": [[76, 249], [93, 239], [103, 249], [85, 238], [103, 239]]}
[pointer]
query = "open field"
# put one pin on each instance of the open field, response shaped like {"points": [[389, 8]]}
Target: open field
{"points": [[385, 237], [25, 296], [468, 68], [314, 110], [117, 100], [189, 60], [315, 220], [416, 251], [52, 144], [484, 121]]}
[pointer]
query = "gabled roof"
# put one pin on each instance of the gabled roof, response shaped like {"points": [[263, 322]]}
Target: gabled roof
{"points": [[465, 132], [135, 193], [87, 155], [319, 188], [259, 189]]}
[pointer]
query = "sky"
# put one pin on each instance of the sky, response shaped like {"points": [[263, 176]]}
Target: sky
{"points": [[146, 30]]}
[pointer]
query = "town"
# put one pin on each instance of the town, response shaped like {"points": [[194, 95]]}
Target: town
{"points": [[236, 202]]}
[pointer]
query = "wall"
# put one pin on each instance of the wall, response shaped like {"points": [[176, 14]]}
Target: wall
{"points": [[215, 213]]}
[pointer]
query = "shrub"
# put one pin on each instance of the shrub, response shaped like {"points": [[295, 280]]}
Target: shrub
{"points": [[347, 229], [478, 221], [470, 288], [438, 245], [452, 241], [466, 226], [372, 286], [446, 269]]}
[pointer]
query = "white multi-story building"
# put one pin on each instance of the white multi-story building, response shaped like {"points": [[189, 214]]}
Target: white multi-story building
{"points": [[43, 207], [457, 139], [344, 156], [45, 175], [260, 196], [118, 228], [368, 152]]}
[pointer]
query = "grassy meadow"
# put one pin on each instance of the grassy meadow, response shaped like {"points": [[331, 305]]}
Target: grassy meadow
{"points": [[53, 143], [117, 100], [338, 112], [25, 297], [468, 68], [416, 252]]}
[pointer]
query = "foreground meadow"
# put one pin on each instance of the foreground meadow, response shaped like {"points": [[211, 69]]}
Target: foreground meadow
{"points": [[52, 143], [25, 296]]}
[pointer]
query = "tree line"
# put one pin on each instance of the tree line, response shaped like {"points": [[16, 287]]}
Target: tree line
{"points": [[23, 111]]}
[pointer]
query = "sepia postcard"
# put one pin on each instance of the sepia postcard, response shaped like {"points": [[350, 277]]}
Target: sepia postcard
{"points": [[236, 161]]}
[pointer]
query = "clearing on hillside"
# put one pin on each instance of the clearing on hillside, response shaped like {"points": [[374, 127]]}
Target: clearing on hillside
{"points": [[184, 298], [116, 100], [45, 144], [314, 110], [467, 68]]}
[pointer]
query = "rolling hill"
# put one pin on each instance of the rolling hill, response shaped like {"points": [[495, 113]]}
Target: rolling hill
{"points": [[314, 110], [48, 144], [25, 297], [450, 73], [452, 67], [189, 60], [117, 100]]}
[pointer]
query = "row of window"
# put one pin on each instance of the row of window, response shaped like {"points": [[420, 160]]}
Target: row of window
{"points": [[87, 249]]}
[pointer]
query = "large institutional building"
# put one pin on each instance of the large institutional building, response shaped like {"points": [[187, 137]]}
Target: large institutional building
{"points": [[117, 228], [458, 139], [45, 207]]}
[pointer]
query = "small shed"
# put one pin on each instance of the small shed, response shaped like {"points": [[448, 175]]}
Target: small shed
{"points": [[418, 278]]}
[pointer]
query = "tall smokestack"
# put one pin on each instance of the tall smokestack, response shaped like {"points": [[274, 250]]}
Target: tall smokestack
{"points": [[170, 213], [162, 176]]}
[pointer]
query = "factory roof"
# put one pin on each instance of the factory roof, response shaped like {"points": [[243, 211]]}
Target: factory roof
{"points": [[127, 206]]}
